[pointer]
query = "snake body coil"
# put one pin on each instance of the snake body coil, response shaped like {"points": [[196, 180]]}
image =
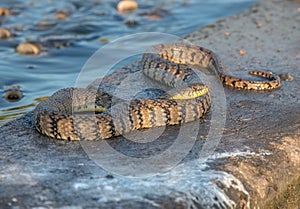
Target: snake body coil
{"points": [[70, 113]]}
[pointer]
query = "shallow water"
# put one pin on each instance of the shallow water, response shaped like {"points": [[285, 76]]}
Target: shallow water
{"points": [[89, 26]]}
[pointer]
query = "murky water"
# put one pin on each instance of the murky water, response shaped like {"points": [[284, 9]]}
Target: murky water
{"points": [[89, 25]]}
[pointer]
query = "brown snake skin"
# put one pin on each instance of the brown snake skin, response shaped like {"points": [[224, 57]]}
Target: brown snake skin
{"points": [[69, 113]]}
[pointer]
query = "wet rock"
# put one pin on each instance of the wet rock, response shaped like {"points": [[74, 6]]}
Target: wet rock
{"points": [[28, 49], [61, 15], [5, 33], [127, 6], [4, 11], [103, 40], [13, 93]]}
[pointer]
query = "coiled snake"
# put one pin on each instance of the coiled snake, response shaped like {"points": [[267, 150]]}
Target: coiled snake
{"points": [[70, 113]]}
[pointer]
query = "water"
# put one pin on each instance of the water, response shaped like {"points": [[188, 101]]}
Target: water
{"points": [[90, 25]]}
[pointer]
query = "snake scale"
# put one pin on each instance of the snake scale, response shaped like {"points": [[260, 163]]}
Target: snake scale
{"points": [[78, 113]]}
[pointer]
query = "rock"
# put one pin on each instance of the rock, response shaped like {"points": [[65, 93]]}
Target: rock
{"points": [[28, 49], [127, 6], [254, 161], [4, 11], [13, 93], [242, 52], [61, 15], [5, 33]]}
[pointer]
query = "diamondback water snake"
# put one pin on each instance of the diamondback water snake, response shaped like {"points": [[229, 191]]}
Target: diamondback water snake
{"points": [[70, 113]]}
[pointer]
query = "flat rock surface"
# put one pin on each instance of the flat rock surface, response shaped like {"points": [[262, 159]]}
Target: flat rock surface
{"points": [[243, 154]]}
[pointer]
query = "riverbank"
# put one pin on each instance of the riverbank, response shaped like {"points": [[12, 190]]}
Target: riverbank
{"points": [[254, 165]]}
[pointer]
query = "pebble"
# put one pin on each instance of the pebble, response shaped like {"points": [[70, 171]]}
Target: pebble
{"points": [[242, 52], [13, 93], [226, 34], [4, 33], [103, 40], [267, 19], [61, 15], [28, 49], [4, 11], [258, 25], [126, 6]]}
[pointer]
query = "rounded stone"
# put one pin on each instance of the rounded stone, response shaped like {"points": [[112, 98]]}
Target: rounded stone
{"points": [[127, 6], [4, 11], [28, 49], [13, 93], [5, 33]]}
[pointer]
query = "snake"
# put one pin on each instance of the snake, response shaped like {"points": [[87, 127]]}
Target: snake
{"points": [[85, 114]]}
